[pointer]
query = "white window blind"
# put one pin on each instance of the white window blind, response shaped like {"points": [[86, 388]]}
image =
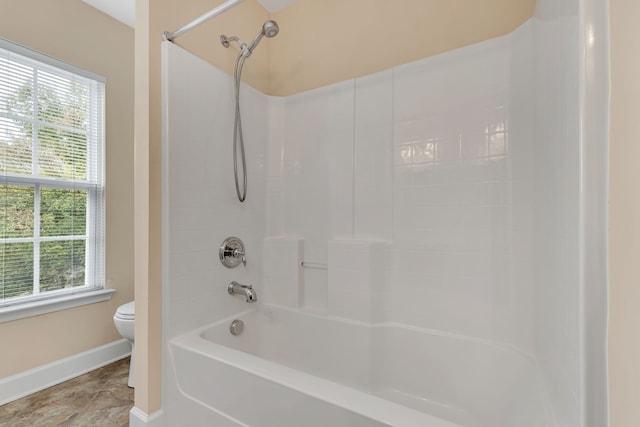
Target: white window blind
{"points": [[51, 177]]}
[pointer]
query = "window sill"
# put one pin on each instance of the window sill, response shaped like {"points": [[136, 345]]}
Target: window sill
{"points": [[63, 302]]}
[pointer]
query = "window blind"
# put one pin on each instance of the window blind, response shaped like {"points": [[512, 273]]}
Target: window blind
{"points": [[51, 177]]}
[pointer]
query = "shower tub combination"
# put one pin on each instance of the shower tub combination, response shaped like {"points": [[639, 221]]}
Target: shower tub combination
{"points": [[507, 346], [289, 368]]}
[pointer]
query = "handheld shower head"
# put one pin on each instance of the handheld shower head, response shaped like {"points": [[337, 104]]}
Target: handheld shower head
{"points": [[269, 29]]}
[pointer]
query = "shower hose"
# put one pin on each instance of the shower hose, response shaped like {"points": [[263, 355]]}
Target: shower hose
{"points": [[238, 140]]}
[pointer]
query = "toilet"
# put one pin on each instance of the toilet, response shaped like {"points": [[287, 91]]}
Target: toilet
{"points": [[124, 321]]}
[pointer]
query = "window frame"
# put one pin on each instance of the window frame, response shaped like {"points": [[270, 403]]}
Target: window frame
{"points": [[94, 184]]}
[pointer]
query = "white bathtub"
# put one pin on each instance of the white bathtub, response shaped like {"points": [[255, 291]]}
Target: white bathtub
{"points": [[292, 369]]}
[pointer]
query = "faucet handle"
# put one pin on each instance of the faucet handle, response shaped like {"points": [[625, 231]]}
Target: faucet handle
{"points": [[232, 252], [239, 253]]}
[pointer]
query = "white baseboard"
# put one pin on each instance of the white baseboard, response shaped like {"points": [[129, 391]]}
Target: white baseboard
{"points": [[36, 379], [137, 418]]}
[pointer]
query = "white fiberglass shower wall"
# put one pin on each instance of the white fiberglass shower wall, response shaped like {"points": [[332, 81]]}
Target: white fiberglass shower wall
{"points": [[446, 195], [416, 187], [200, 209]]}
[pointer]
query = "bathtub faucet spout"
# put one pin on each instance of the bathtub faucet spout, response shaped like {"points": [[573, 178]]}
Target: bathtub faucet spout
{"points": [[236, 288]]}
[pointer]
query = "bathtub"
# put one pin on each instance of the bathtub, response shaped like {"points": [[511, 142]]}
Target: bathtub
{"points": [[294, 369]]}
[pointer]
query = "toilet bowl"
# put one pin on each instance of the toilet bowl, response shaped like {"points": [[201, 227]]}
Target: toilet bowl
{"points": [[124, 320]]}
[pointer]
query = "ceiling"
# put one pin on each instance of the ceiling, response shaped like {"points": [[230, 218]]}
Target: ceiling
{"points": [[124, 10], [275, 5]]}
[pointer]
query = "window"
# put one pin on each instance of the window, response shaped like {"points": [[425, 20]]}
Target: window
{"points": [[51, 178]]}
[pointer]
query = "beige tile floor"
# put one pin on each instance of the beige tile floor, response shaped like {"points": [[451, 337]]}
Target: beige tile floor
{"points": [[99, 398]]}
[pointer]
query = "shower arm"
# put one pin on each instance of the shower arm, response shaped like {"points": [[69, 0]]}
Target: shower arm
{"points": [[244, 49], [167, 36]]}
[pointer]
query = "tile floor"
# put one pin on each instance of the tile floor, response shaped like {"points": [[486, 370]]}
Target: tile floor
{"points": [[98, 398]]}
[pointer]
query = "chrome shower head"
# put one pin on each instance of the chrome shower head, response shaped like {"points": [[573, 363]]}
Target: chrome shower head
{"points": [[270, 29]]}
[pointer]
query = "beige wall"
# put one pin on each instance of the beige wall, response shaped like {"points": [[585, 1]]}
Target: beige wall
{"points": [[624, 241], [327, 41], [145, 331], [102, 45]]}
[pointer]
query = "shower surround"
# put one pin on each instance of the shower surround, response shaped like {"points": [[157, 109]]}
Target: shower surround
{"points": [[436, 208]]}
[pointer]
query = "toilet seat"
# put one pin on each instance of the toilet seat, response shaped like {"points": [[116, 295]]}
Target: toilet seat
{"points": [[126, 311]]}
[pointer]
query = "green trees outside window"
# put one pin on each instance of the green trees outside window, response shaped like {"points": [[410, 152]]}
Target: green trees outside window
{"points": [[44, 133]]}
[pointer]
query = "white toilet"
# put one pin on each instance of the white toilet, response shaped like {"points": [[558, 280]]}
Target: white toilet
{"points": [[124, 321]]}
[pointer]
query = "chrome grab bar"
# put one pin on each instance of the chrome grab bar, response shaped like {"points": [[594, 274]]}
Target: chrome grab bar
{"points": [[314, 265]]}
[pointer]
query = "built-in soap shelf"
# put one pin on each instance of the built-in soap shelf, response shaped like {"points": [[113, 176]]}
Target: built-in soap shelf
{"points": [[344, 290]]}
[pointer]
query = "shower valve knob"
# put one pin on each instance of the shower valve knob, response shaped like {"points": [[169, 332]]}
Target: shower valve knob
{"points": [[237, 253], [232, 252]]}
